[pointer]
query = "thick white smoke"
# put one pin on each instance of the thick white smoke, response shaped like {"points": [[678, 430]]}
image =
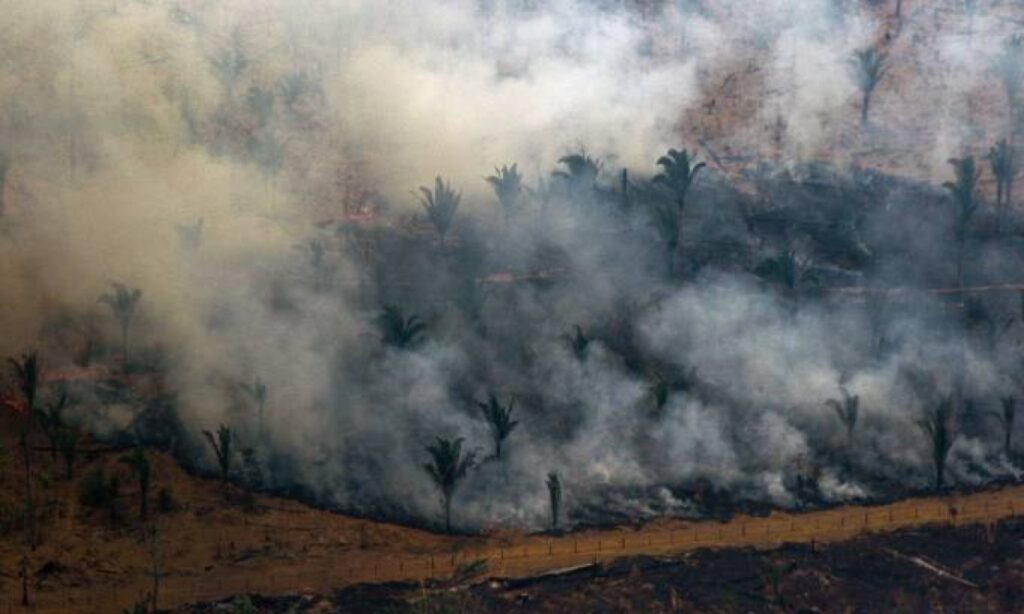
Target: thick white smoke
{"points": [[125, 123]]}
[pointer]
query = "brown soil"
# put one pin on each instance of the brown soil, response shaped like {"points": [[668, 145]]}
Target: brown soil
{"points": [[214, 545]]}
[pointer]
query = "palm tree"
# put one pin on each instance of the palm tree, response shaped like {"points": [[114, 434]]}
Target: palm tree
{"points": [[847, 410], [257, 392], [1006, 418], [51, 420], [869, 67], [1004, 167], [555, 496], [938, 426], [190, 236], [962, 191], [659, 389], [580, 174], [222, 450], [578, 342], [448, 466], [122, 302], [67, 441], [786, 270], [399, 331], [508, 187], [678, 172], [440, 205], [230, 61], [5, 166], [667, 221], [499, 418], [1009, 65], [26, 376], [140, 466]]}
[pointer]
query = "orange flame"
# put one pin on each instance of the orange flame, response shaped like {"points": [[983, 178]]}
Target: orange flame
{"points": [[11, 401]]}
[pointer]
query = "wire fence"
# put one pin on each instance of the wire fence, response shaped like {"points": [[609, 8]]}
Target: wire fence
{"points": [[535, 555]]}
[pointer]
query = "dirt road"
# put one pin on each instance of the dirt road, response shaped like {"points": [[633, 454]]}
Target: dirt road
{"points": [[519, 556]]}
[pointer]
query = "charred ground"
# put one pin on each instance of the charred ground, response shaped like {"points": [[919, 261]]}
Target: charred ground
{"points": [[905, 571]]}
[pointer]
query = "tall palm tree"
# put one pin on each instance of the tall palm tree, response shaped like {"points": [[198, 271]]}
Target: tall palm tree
{"points": [[555, 497], [51, 420], [447, 467], [499, 417], [783, 269], [257, 393], [190, 236], [123, 302], [507, 183], [578, 342], [938, 426], [847, 410], [678, 171], [869, 68], [667, 222], [398, 330], [5, 165], [1006, 418], [140, 466], [580, 174], [1004, 168], [230, 62], [26, 377], [67, 441], [222, 450], [962, 190], [440, 205], [1009, 66]]}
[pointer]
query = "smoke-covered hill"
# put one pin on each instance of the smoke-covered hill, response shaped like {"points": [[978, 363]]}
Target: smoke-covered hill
{"points": [[812, 317]]}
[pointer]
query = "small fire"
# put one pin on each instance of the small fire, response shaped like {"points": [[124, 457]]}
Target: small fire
{"points": [[11, 401]]}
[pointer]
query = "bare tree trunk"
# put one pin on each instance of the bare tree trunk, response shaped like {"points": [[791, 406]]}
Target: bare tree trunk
{"points": [[155, 570], [447, 513], [26, 452], [124, 346], [24, 579], [1008, 189]]}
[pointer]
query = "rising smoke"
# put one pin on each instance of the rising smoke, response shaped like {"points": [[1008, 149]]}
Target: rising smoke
{"points": [[222, 156]]}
